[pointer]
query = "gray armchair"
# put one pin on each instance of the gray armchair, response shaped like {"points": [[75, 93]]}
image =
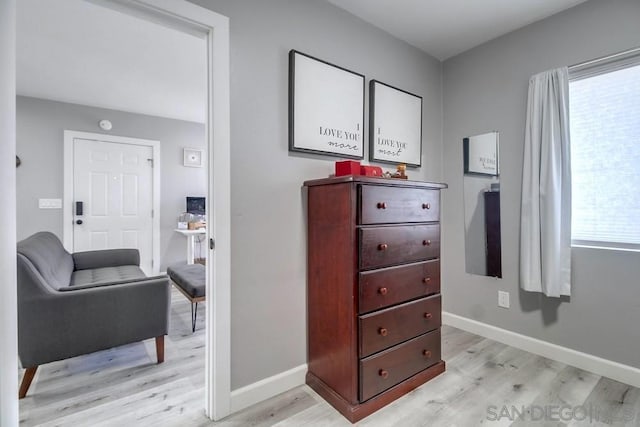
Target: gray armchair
{"points": [[74, 304]]}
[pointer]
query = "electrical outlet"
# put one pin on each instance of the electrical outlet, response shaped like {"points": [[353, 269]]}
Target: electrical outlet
{"points": [[503, 299]]}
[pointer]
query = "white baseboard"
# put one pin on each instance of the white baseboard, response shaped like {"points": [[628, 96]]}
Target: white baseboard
{"points": [[268, 387], [606, 368]]}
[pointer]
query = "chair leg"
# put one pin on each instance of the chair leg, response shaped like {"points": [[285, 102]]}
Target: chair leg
{"points": [[160, 348], [194, 316], [29, 373]]}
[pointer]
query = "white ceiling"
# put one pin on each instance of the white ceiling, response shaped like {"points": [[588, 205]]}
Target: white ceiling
{"points": [[75, 51], [445, 28]]}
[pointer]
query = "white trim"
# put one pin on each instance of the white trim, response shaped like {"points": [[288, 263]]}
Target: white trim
{"points": [[606, 64], [264, 389], [215, 28], [67, 205], [8, 290], [607, 368], [218, 368], [608, 246]]}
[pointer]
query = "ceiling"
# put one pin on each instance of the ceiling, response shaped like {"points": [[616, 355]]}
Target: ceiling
{"points": [[79, 52], [445, 28]]}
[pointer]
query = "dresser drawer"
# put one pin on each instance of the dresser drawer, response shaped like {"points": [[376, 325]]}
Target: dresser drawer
{"points": [[388, 327], [381, 205], [387, 246], [393, 285], [388, 368]]}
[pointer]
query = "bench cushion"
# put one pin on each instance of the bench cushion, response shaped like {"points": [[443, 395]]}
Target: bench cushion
{"points": [[190, 277]]}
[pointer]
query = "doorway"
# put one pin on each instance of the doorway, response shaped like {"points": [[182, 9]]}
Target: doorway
{"points": [[214, 29]]}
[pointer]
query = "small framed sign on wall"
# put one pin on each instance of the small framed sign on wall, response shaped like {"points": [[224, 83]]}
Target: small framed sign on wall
{"points": [[395, 125], [481, 154], [326, 108]]}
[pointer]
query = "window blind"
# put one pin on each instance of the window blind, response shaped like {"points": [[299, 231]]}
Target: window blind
{"points": [[605, 156]]}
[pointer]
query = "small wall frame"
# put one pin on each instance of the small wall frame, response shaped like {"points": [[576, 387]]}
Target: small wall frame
{"points": [[193, 157], [395, 125], [326, 108]]}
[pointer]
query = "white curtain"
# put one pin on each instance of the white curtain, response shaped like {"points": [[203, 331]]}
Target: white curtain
{"points": [[545, 225]]}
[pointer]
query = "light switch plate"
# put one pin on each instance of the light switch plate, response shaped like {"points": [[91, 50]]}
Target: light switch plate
{"points": [[50, 203], [503, 299]]}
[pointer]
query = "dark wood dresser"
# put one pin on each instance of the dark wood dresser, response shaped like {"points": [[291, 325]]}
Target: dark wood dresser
{"points": [[492, 230], [373, 298]]}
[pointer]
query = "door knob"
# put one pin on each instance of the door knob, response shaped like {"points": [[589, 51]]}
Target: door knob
{"points": [[79, 222]]}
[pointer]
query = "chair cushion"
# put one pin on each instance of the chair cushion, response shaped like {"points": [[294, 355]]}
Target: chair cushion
{"points": [[106, 274], [190, 277], [46, 253]]}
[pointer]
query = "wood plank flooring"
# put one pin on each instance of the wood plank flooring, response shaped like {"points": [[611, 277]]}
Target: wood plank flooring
{"points": [[486, 383]]}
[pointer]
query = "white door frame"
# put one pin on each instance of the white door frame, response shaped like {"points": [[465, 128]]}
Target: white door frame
{"points": [[69, 169], [8, 300]]}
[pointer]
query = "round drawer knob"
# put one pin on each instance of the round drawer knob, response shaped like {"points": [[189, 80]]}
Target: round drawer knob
{"points": [[426, 206], [383, 332], [427, 280], [382, 291], [384, 374], [428, 315], [382, 205], [426, 242], [426, 353], [383, 246]]}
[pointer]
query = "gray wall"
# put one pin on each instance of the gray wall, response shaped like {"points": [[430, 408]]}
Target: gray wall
{"points": [[486, 88], [267, 205], [40, 127], [8, 304]]}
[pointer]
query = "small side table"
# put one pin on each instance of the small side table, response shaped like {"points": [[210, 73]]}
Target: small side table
{"points": [[191, 241]]}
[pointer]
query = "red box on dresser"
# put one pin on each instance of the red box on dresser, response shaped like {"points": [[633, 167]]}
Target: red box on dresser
{"points": [[347, 167], [371, 171], [373, 299]]}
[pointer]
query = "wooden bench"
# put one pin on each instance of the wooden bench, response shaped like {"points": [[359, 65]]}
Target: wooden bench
{"points": [[190, 279]]}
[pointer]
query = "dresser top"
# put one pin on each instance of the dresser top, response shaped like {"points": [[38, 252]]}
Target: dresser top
{"points": [[374, 180]]}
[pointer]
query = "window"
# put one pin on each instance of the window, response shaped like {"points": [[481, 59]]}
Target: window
{"points": [[605, 154]]}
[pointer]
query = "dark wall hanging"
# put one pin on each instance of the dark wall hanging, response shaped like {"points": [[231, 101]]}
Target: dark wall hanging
{"points": [[395, 125], [326, 108]]}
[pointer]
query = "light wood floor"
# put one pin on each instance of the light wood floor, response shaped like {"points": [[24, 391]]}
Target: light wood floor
{"points": [[124, 387]]}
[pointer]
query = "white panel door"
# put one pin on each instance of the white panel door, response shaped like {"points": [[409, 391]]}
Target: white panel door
{"points": [[114, 182]]}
